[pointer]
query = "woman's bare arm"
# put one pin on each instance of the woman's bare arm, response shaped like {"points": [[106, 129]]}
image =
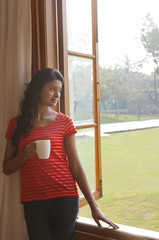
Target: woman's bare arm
{"points": [[79, 175], [13, 160]]}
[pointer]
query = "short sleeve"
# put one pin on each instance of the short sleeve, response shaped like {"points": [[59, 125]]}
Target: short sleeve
{"points": [[69, 127], [11, 127]]}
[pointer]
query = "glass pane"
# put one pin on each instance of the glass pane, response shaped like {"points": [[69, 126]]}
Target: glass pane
{"points": [[79, 26], [85, 142], [81, 89]]}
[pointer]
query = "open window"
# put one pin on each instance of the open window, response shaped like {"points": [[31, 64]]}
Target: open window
{"points": [[78, 59]]}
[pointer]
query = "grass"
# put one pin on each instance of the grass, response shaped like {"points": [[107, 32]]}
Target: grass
{"points": [[86, 151], [130, 166], [111, 118]]}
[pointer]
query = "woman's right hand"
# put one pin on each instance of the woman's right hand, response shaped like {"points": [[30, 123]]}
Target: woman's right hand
{"points": [[13, 161], [30, 150]]}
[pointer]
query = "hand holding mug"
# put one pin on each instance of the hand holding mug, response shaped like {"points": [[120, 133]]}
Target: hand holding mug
{"points": [[29, 150]]}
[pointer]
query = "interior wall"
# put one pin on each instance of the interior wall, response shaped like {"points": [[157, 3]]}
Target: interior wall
{"points": [[15, 69]]}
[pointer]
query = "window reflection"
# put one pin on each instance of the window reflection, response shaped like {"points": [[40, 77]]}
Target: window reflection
{"points": [[86, 149], [81, 89]]}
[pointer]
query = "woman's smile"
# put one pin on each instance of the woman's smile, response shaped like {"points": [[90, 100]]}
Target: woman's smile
{"points": [[54, 100], [50, 93]]}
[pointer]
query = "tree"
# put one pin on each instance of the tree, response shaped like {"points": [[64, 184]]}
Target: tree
{"points": [[150, 38], [138, 98], [150, 41], [114, 87], [105, 78]]}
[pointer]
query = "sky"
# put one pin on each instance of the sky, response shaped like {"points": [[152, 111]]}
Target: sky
{"points": [[120, 23]]}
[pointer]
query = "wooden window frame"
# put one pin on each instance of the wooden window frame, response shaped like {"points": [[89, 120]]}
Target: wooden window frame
{"points": [[44, 40], [39, 53], [63, 66], [44, 36], [86, 229]]}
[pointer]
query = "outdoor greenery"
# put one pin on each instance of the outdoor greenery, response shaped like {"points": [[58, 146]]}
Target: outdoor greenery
{"points": [[150, 38], [130, 178], [111, 118], [125, 89]]}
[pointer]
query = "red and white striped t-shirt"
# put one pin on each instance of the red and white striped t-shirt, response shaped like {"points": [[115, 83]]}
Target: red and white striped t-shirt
{"points": [[47, 178]]}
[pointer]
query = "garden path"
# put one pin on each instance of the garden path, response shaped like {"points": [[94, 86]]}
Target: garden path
{"points": [[128, 126], [108, 128]]}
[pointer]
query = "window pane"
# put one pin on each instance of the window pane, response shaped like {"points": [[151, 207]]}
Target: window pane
{"points": [[79, 26], [85, 142], [81, 89]]}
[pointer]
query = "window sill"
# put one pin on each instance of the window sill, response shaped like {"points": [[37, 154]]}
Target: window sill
{"points": [[87, 229]]}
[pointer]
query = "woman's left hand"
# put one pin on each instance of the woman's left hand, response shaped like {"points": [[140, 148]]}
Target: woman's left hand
{"points": [[98, 215]]}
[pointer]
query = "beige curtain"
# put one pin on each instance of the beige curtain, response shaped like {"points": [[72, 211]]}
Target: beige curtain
{"points": [[15, 70]]}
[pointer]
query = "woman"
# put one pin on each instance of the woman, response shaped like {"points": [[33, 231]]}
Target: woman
{"points": [[48, 186]]}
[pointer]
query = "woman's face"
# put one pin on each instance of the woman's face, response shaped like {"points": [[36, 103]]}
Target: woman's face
{"points": [[50, 93]]}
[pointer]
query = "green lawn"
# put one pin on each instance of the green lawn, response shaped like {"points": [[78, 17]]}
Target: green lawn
{"points": [[111, 118], [130, 166]]}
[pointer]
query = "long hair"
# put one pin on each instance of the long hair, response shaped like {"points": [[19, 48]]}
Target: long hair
{"points": [[28, 106]]}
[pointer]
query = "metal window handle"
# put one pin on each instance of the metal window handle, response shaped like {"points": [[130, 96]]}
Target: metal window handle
{"points": [[99, 91]]}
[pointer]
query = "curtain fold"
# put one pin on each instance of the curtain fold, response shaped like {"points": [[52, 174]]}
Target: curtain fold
{"points": [[15, 69]]}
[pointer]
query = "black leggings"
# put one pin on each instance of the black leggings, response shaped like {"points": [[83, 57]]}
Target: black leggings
{"points": [[52, 219]]}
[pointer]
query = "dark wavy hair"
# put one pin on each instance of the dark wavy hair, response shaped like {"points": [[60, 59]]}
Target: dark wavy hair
{"points": [[28, 107]]}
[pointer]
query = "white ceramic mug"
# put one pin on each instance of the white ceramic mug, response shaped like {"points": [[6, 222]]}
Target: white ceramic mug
{"points": [[43, 149]]}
